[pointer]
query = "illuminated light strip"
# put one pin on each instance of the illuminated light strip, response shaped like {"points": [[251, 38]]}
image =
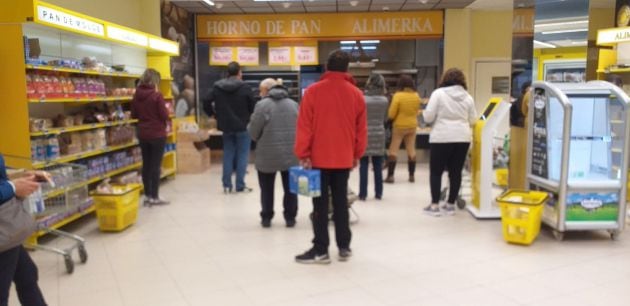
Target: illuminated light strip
{"points": [[65, 20], [565, 31], [164, 45], [544, 44], [127, 36]]}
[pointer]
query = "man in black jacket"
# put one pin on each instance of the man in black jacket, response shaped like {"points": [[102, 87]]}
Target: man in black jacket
{"points": [[233, 105]]}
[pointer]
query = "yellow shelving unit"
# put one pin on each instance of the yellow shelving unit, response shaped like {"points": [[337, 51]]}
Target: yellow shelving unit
{"points": [[38, 19], [82, 71], [84, 127], [81, 100]]}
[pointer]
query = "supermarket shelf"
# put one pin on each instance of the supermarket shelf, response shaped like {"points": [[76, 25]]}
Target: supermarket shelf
{"points": [[73, 157], [67, 220], [82, 100], [70, 129], [616, 121], [81, 71], [616, 150], [93, 180], [614, 70]]}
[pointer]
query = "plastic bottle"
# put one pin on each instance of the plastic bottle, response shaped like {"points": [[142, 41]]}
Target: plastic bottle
{"points": [[52, 148]]}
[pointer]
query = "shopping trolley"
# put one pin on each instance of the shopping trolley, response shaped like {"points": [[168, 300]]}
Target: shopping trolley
{"points": [[52, 204]]}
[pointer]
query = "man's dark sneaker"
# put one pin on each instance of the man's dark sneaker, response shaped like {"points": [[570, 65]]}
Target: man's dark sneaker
{"points": [[245, 190], [379, 197], [345, 254], [266, 223], [311, 257], [362, 199], [227, 190], [290, 223]]}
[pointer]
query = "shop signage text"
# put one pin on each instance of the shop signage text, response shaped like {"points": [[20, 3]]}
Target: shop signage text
{"points": [[428, 23], [613, 36], [69, 21], [127, 36]]}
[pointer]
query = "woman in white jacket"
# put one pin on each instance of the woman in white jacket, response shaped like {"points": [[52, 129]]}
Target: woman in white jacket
{"points": [[452, 111]]}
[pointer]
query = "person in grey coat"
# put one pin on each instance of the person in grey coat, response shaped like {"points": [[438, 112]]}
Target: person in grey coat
{"points": [[272, 127], [376, 104]]}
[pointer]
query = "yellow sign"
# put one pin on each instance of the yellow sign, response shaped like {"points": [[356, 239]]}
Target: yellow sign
{"points": [[523, 22], [359, 25], [222, 53], [613, 36], [293, 53], [60, 18]]}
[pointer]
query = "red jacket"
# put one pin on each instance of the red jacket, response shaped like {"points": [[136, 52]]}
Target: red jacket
{"points": [[332, 124], [149, 108]]}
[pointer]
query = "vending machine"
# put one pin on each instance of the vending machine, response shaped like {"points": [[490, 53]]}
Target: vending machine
{"points": [[578, 153]]}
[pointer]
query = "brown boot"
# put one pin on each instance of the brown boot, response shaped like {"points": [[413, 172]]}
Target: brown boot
{"points": [[411, 164], [391, 167]]}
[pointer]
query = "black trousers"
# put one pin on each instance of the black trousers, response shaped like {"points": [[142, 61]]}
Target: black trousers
{"points": [[267, 181], [451, 157], [333, 182], [152, 154], [18, 267]]}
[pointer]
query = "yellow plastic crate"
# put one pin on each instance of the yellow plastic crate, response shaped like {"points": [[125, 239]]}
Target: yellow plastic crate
{"points": [[521, 214], [117, 211], [501, 176]]}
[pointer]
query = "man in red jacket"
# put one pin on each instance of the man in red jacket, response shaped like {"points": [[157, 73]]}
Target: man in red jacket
{"points": [[331, 136]]}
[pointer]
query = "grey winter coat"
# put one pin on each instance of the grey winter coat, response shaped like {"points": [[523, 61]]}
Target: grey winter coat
{"points": [[376, 106], [272, 127]]}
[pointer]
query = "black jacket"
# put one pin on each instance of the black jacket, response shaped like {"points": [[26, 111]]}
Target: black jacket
{"points": [[233, 104]]}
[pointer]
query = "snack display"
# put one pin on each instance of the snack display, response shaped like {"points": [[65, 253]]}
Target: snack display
{"points": [[103, 164]]}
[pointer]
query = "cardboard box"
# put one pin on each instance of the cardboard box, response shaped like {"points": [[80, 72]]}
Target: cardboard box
{"points": [[192, 161], [186, 137], [193, 156]]}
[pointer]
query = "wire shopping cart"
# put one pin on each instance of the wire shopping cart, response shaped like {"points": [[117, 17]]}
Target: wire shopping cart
{"points": [[50, 205]]}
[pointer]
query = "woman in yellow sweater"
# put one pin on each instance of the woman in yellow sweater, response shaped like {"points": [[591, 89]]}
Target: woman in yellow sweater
{"points": [[403, 112]]}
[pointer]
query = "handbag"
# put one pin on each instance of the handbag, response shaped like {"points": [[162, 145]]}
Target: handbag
{"points": [[16, 224]]}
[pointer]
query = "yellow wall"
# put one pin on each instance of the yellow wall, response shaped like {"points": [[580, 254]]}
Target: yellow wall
{"points": [[600, 18], [142, 15], [476, 34], [492, 34], [457, 34]]}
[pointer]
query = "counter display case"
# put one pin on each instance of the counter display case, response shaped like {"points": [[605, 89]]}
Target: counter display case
{"points": [[578, 140]]}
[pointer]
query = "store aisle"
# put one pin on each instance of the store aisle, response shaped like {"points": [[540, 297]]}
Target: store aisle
{"points": [[208, 248]]}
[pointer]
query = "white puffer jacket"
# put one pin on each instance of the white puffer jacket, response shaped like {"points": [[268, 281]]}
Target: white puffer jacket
{"points": [[452, 112]]}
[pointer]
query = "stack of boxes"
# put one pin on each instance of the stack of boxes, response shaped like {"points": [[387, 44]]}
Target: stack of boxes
{"points": [[193, 156]]}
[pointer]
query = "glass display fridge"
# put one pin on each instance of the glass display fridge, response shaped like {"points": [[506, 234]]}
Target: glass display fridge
{"points": [[578, 144]]}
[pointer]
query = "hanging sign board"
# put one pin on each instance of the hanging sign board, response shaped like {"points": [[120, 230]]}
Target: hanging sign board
{"points": [[330, 25], [279, 56], [247, 56]]}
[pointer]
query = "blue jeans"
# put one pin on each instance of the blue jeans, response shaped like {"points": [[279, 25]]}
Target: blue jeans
{"points": [[235, 157], [377, 164]]}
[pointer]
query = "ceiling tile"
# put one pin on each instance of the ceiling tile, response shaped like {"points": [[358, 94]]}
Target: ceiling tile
{"points": [[349, 8], [257, 10], [321, 9]]}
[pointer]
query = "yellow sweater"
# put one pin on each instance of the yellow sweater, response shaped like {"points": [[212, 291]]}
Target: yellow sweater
{"points": [[404, 109]]}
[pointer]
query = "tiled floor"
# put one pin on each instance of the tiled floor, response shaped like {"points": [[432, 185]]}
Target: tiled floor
{"points": [[207, 248]]}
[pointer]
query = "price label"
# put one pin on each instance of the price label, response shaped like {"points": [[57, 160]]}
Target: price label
{"points": [[221, 55], [280, 56], [247, 55], [305, 55]]}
